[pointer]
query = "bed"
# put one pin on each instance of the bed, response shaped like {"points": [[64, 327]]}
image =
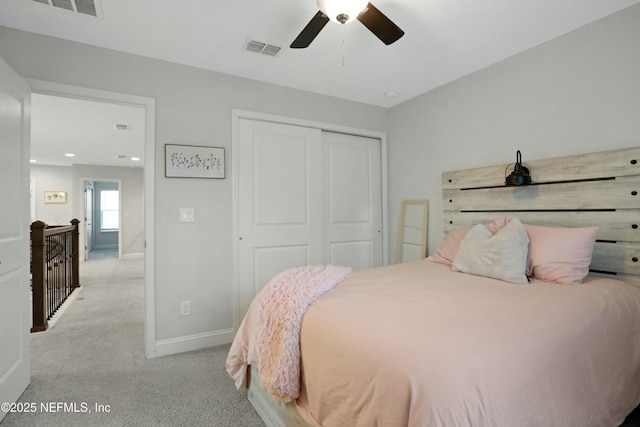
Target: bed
{"points": [[438, 343]]}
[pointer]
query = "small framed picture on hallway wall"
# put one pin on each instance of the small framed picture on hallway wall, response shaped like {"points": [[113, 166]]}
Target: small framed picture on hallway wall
{"points": [[193, 161], [55, 197]]}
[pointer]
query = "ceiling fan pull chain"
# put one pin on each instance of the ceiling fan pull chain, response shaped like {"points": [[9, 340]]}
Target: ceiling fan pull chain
{"points": [[343, 49]]}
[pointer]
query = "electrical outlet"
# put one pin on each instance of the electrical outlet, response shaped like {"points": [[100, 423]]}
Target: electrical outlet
{"points": [[185, 308], [187, 214]]}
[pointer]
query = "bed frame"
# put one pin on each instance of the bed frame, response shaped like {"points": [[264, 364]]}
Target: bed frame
{"points": [[591, 189], [576, 191], [272, 413]]}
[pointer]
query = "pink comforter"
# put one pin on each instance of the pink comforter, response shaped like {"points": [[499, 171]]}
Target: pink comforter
{"points": [[419, 345], [283, 302]]}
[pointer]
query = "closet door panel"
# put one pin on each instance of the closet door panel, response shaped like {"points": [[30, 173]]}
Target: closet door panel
{"points": [[353, 200], [281, 180], [280, 214]]}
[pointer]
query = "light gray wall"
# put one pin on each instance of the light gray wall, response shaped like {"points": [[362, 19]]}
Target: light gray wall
{"points": [[576, 94], [193, 106], [69, 179], [53, 178]]}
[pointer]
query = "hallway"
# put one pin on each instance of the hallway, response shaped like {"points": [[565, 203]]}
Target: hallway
{"points": [[93, 358], [97, 254]]}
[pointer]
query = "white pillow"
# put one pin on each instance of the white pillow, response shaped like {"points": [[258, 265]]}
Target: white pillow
{"points": [[501, 256]]}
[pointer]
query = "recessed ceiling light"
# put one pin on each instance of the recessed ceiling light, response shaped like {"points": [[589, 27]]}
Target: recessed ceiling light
{"points": [[70, 155], [135, 159], [391, 94], [33, 160]]}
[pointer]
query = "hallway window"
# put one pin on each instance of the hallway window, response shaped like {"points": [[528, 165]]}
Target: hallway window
{"points": [[109, 210]]}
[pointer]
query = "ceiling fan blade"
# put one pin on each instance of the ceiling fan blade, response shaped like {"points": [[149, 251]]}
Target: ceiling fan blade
{"points": [[380, 25], [310, 32]]}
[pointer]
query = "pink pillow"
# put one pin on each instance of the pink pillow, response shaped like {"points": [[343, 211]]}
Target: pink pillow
{"points": [[449, 247], [560, 255], [497, 224], [451, 244]]}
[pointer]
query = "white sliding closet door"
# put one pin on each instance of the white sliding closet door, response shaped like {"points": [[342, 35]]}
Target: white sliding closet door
{"points": [[305, 197], [280, 213], [353, 209]]}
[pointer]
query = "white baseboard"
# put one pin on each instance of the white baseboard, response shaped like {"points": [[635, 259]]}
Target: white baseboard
{"points": [[193, 342], [133, 255]]}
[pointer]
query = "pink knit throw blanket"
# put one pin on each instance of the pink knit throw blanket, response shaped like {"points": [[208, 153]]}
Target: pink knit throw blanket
{"points": [[283, 304]]}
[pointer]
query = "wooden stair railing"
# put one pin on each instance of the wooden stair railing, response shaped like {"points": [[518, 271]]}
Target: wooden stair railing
{"points": [[55, 269]]}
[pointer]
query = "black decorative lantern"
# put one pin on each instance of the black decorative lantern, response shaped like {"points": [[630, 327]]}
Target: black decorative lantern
{"points": [[519, 175]]}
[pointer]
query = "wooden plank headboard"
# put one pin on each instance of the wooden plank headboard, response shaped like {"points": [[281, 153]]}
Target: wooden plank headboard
{"points": [[575, 191]]}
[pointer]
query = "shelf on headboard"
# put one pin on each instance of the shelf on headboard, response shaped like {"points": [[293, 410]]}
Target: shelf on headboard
{"points": [[604, 164], [589, 189]]}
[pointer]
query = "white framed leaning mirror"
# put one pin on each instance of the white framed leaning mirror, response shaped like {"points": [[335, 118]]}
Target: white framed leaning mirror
{"points": [[412, 232]]}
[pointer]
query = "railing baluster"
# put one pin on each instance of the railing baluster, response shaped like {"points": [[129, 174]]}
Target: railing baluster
{"points": [[75, 254]]}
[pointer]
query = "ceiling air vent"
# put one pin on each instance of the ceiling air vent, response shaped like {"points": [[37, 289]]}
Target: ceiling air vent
{"points": [[259, 47], [120, 127], [271, 50], [86, 7]]}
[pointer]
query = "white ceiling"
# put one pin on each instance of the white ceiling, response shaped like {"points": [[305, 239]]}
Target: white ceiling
{"points": [[444, 39], [87, 129]]}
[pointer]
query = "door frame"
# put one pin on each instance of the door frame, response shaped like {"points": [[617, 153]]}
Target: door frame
{"points": [[83, 182], [88, 236], [149, 104], [237, 115]]}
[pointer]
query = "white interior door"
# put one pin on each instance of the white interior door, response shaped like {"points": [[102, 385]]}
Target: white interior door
{"points": [[280, 215], [15, 357], [353, 200]]}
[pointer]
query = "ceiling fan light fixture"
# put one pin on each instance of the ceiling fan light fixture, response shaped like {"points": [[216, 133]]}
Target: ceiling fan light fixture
{"points": [[342, 11]]}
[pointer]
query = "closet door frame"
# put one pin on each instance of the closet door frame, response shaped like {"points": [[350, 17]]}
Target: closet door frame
{"points": [[237, 115]]}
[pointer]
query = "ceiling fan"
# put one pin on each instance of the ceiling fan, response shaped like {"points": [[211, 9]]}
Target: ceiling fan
{"points": [[343, 12]]}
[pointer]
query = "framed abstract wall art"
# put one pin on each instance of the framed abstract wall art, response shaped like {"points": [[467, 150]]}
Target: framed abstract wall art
{"points": [[193, 161]]}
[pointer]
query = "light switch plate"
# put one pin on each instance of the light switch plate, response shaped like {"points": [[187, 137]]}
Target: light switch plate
{"points": [[187, 214]]}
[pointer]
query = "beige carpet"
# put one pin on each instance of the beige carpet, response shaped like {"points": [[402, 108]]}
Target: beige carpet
{"points": [[94, 355]]}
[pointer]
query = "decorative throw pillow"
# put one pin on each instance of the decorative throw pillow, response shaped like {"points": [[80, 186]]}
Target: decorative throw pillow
{"points": [[560, 255], [501, 256], [449, 248]]}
